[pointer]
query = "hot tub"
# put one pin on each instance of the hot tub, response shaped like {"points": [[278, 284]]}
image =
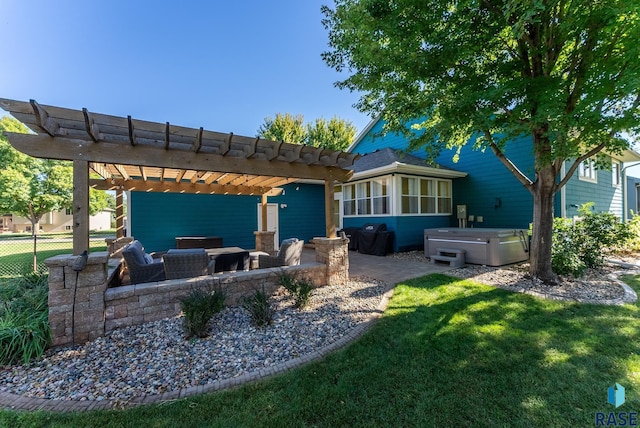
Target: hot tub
{"points": [[482, 246]]}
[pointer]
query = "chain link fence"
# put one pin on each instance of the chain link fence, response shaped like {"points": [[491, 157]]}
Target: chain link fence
{"points": [[20, 254]]}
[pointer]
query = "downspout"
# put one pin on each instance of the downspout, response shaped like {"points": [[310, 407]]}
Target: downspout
{"points": [[625, 214]]}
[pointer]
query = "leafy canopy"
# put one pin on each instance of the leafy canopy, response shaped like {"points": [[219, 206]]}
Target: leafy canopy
{"points": [[564, 71], [32, 187], [334, 134]]}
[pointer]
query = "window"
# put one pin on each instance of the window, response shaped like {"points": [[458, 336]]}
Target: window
{"points": [[67, 227], [68, 211], [425, 196], [587, 170], [380, 196], [367, 198], [349, 200], [615, 173]]}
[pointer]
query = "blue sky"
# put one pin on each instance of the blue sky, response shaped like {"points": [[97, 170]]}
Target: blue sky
{"points": [[221, 65]]}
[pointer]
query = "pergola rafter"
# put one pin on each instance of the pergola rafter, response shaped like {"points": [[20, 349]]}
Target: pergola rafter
{"points": [[131, 154]]}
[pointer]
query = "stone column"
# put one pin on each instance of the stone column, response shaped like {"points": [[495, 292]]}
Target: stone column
{"points": [[264, 241], [82, 292], [334, 253]]}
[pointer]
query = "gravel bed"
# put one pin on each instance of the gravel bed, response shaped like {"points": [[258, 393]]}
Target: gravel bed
{"points": [[597, 285], [155, 357]]}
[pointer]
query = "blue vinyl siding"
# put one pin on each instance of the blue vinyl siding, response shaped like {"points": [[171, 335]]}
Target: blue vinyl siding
{"points": [[408, 230], [490, 190], [157, 218], [303, 217], [372, 142], [603, 194], [633, 202]]}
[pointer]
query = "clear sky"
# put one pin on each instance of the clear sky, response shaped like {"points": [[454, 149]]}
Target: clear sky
{"points": [[222, 65]]}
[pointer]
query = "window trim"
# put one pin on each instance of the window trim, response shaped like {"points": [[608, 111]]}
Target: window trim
{"points": [[616, 173], [372, 198], [437, 196], [593, 175]]}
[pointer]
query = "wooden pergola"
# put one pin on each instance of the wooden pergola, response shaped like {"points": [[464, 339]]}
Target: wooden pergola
{"points": [[131, 154]]}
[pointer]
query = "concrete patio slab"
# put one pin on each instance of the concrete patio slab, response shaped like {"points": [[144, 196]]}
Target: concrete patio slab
{"points": [[388, 269]]}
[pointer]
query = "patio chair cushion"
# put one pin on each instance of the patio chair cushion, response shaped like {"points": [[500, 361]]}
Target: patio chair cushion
{"points": [[140, 270], [288, 255], [187, 263]]}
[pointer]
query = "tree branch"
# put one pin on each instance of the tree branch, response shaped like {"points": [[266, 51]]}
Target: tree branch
{"points": [[577, 163], [519, 175]]}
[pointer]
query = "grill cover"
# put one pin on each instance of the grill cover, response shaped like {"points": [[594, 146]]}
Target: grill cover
{"points": [[373, 238], [352, 233]]}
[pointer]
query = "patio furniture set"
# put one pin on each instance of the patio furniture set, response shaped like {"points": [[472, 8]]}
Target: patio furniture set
{"points": [[191, 262]]}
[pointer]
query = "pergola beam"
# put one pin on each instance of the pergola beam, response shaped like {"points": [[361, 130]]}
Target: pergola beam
{"points": [[45, 146], [101, 170], [92, 128], [182, 187], [80, 207]]}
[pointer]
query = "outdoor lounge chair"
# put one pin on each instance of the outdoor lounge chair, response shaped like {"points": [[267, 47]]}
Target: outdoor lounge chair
{"points": [[288, 255], [142, 267], [187, 263]]}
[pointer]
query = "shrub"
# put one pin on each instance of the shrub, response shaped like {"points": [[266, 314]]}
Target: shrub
{"points": [[198, 308], [633, 227], [259, 307], [586, 243], [565, 248], [24, 318], [300, 289]]}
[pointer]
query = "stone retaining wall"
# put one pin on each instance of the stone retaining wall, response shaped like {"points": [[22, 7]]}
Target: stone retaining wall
{"points": [[141, 303], [82, 307], [76, 300]]}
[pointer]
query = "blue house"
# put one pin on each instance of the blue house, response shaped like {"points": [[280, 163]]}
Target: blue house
{"points": [[156, 219], [389, 185], [402, 190]]}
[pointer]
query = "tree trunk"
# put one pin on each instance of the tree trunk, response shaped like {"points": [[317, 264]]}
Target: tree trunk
{"points": [[540, 252], [35, 226]]}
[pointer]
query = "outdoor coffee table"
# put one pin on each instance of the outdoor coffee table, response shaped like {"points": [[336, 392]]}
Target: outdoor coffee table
{"points": [[229, 258]]}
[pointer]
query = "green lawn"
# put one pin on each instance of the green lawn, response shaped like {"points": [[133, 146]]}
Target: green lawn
{"points": [[16, 251], [447, 352]]}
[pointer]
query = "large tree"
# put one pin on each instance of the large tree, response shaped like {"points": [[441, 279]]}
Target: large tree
{"points": [[32, 187], [284, 127], [564, 72], [334, 134]]}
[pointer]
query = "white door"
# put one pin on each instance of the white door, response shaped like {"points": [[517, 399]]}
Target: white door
{"points": [[337, 210], [272, 222]]}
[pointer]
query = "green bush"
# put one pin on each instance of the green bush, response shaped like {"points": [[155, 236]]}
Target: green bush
{"points": [[300, 289], [198, 308], [585, 244], [565, 248], [633, 226], [24, 318], [259, 308]]}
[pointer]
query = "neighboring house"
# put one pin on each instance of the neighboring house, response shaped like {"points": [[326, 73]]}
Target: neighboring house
{"points": [[62, 221], [633, 195], [424, 196], [388, 186], [6, 223]]}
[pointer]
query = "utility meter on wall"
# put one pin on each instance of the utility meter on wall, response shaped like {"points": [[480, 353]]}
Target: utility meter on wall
{"points": [[462, 212]]}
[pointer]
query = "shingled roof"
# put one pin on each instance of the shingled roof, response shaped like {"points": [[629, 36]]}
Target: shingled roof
{"points": [[389, 160]]}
